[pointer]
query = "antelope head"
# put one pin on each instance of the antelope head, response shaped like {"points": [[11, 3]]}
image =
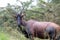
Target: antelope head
{"points": [[19, 18]]}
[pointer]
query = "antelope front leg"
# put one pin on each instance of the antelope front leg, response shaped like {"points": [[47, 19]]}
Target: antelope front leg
{"points": [[31, 37]]}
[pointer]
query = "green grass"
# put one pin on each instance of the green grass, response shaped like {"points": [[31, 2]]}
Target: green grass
{"points": [[3, 36], [10, 34]]}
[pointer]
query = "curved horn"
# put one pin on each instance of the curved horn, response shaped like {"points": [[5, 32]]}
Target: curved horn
{"points": [[22, 11]]}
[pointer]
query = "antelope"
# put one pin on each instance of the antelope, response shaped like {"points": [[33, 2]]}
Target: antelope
{"points": [[38, 29]]}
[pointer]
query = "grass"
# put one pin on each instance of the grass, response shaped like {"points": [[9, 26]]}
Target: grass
{"points": [[3, 36], [12, 34]]}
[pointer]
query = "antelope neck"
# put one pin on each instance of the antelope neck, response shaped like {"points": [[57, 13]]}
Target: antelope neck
{"points": [[23, 22]]}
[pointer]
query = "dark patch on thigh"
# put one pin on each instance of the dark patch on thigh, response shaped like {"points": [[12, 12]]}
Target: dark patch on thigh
{"points": [[51, 31]]}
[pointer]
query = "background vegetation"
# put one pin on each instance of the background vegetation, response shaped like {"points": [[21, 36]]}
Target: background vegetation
{"points": [[43, 11]]}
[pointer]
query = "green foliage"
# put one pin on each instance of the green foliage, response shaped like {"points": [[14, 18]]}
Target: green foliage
{"points": [[56, 1]]}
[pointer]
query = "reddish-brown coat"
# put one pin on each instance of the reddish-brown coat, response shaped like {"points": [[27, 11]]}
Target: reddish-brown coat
{"points": [[38, 28]]}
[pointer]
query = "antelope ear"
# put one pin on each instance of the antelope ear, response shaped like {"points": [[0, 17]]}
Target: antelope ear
{"points": [[23, 14]]}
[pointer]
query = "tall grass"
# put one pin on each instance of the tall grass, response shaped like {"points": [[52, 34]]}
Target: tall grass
{"points": [[10, 34]]}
